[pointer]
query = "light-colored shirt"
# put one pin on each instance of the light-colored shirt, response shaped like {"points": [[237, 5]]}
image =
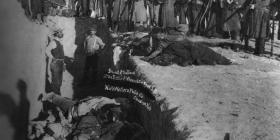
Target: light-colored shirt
{"points": [[92, 44]]}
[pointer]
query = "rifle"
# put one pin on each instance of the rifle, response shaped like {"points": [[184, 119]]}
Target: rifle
{"points": [[279, 30], [277, 3], [246, 3], [272, 36]]}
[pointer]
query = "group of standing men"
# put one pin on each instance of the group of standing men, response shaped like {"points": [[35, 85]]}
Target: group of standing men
{"points": [[235, 19]]}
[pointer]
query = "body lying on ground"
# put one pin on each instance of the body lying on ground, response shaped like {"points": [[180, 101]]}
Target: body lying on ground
{"points": [[93, 118], [186, 53], [174, 47]]}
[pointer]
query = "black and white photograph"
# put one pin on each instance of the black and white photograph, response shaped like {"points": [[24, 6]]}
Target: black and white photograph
{"points": [[140, 70]]}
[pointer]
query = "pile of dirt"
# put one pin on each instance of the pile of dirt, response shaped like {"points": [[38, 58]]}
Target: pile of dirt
{"points": [[90, 118]]}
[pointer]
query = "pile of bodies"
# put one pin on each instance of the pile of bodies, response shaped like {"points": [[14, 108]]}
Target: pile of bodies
{"points": [[96, 118], [167, 48], [186, 53]]}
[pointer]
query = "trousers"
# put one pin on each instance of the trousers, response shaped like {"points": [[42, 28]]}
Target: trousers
{"points": [[260, 45], [56, 67], [91, 65]]}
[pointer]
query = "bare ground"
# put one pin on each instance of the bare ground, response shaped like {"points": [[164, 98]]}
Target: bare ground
{"points": [[242, 100]]}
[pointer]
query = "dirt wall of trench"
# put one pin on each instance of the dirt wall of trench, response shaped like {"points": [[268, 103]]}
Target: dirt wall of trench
{"points": [[75, 31], [22, 64]]}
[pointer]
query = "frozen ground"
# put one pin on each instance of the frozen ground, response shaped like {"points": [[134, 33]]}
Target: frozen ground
{"points": [[242, 100]]}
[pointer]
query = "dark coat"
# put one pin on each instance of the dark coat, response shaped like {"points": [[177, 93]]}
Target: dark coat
{"points": [[215, 18], [194, 11], [118, 9], [233, 24], [256, 21], [167, 16]]}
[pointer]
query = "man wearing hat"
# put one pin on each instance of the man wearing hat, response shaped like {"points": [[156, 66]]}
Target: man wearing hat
{"points": [[92, 45]]}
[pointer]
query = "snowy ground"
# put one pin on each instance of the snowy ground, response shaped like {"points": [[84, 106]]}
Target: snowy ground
{"points": [[242, 100]]}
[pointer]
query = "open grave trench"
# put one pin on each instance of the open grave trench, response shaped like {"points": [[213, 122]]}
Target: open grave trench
{"points": [[152, 112], [23, 79], [120, 77], [154, 115]]}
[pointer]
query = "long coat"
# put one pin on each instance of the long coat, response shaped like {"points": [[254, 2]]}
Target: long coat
{"points": [[215, 16], [139, 14], [195, 8], [256, 21], [233, 24], [167, 16], [118, 10]]}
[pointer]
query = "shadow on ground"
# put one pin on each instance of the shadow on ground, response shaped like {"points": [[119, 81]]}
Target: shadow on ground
{"points": [[76, 65], [159, 122], [18, 114]]}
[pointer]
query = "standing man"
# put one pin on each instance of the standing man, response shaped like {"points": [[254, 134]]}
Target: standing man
{"points": [[276, 14], [257, 25], [55, 55], [181, 7], [92, 45], [215, 14], [195, 8], [120, 15], [139, 13], [167, 15], [85, 8], [233, 25]]}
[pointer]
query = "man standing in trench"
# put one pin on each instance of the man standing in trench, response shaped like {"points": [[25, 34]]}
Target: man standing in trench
{"points": [[55, 55], [92, 45]]}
